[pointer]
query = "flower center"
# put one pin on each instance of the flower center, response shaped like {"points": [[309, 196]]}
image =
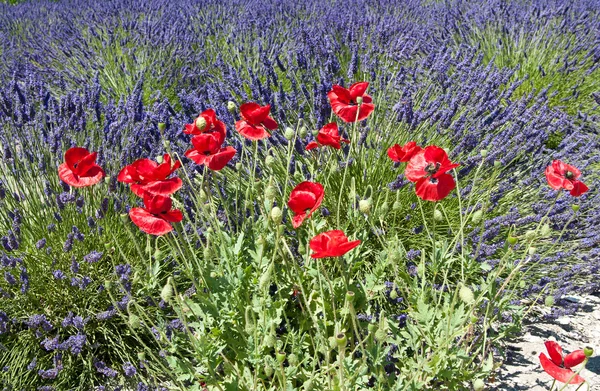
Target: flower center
{"points": [[432, 168], [569, 175]]}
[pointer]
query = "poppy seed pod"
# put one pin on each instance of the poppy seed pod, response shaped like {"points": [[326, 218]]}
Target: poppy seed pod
{"points": [[483, 152], [359, 100], [512, 239], [231, 107], [280, 356], [575, 208], [276, 215], [341, 340], [288, 133], [588, 351], [350, 296], [162, 127]]}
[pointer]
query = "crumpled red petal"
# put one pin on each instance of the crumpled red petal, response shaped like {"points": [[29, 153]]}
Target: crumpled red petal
{"points": [[149, 223], [561, 374]]}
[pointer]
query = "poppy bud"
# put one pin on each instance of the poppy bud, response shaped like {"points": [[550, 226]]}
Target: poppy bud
{"points": [[288, 133], [575, 208], [159, 159], [207, 253], [530, 234], [437, 215], [280, 356], [359, 100], [270, 192], [365, 206], [238, 166], [341, 340], [532, 250], [393, 294], [381, 335], [231, 107], [270, 341], [201, 123], [523, 284], [268, 370], [281, 229], [384, 208], [397, 206], [588, 351], [269, 161], [483, 152], [549, 301], [308, 385], [249, 327], [265, 279], [293, 359], [261, 241], [301, 248], [474, 319], [202, 196], [167, 292], [546, 230], [134, 321], [466, 294], [478, 385], [477, 216], [107, 285], [157, 254], [303, 132], [162, 127], [141, 356], [512, 240], [497, 163], [315, 132], [276, 215]]}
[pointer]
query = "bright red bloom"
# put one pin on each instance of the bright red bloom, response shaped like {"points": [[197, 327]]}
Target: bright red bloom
{"points": [[207, 122], [344, 105], [564, 176], [255, 121], [80, 168], [331, 244], [328, 135], [554, 365], [428, 169], [156, 216], [304, 200], [145, 175], [403, 153], [207, 150]]}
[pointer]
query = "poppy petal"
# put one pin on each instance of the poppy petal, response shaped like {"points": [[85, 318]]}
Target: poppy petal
{"points": [[301, 201], [164, 188], [270, 123], [339, 93], [578, 188], [558, 373], [415, 169], [358, 89], [74, 155], [254, 113], [173, 216], [298, 220], [435, 189], [197, 157], [312, 145], [574, 358], [555, 352], [149, 223], [251, 132], [93, 176], [221, 158]]}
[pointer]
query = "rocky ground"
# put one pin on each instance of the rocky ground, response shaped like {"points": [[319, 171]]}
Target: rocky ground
{"points": [[522, 370]]}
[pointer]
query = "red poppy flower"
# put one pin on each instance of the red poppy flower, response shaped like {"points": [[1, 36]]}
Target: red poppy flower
{"points": [[331, 244], [156, 216], [564, 176], [304, 200], [554, 365], [328, 135], [344, 104], [207, 150], [255, 121], [403, 153], [80, 168], [207, 122], [145, 175], [428, 170]]}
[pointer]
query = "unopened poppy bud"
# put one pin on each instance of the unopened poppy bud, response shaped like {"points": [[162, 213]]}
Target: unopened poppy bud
{"points": [[497, 163], [162, 127], [158, 254], [134, 321], [167, 144], [301, 248], [207, 253], [270, 192], [269, 161], [437, 215], [397, 206], [477, 215], [231, 107], [588, 351], [269, 370], [280, 356], [265, 279], [478, 385], [167, 292], [523, 284], [238, 166], [141, 356], [532, 250], [546, 230], [261, 241], [549, 301], [575, 208], [281, 229], [107, 285], [393, 294], [381, 335], [359, 100], [308, 385], [483, 152], [159, 159], [293, 359], [466, 294], [303, 132], [474, 319], [341, 340], [512, 240], [384, 209], [201, 123], [530, 234], [276, 215], [288, 133], [365, 206], [270, 340], [350, 296]]}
